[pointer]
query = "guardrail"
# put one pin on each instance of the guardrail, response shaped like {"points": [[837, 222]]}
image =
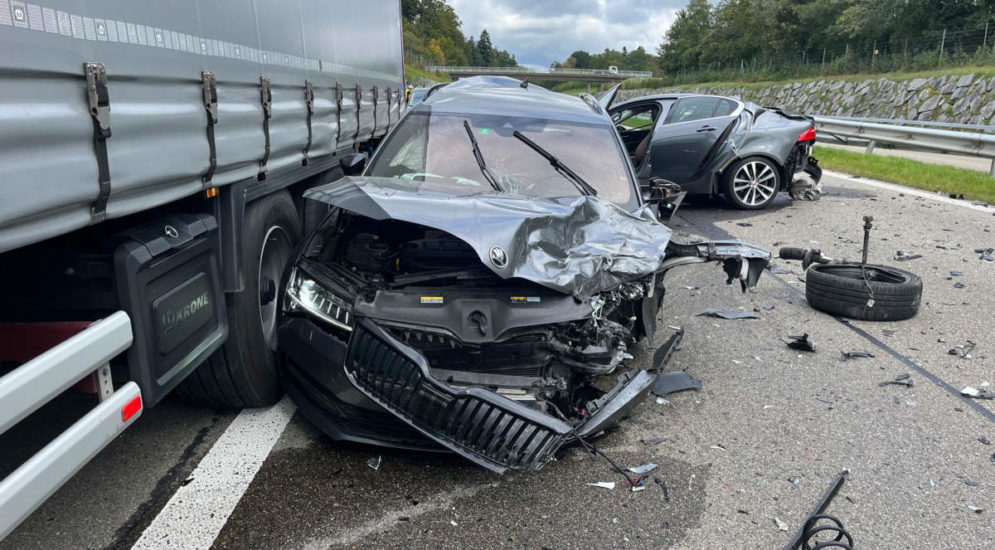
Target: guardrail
{"points": [[531, 71], [38, 381], [983, 128], [947, 141]]}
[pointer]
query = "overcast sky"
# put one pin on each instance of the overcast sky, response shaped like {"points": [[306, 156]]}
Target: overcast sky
{"points": [[539, 32]]}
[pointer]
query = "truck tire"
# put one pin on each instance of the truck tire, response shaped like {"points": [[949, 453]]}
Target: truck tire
{"points": [[244, 372], [848, 290], [751, 183]]}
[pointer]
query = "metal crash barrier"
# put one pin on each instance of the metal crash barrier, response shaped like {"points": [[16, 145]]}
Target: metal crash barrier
{"points": [[33, 384]]}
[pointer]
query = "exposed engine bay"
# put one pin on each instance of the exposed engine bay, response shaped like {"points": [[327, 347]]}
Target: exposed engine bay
{"points": [[471, 324]]}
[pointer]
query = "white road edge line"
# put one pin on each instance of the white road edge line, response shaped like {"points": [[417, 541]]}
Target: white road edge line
{"points": [[198, 511], [908, 191]]}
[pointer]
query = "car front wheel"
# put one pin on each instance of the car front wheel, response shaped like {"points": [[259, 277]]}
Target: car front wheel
{"points": [[752, 183]]}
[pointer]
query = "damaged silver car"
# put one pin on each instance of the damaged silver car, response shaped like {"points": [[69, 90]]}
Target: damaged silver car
{"points": [[480, 288]]}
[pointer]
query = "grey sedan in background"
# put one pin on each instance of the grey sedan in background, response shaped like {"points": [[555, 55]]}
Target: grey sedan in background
{"points": [[712, 145]]}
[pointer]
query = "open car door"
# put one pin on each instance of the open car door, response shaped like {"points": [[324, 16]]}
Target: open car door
{"points": [[607, 99], [691, 134]]}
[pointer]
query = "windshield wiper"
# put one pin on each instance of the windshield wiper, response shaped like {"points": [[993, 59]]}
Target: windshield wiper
{"points": [[579, 182], [480, 158]]}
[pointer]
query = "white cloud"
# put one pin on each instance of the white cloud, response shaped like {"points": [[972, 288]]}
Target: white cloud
{"points": [[539, 32]]}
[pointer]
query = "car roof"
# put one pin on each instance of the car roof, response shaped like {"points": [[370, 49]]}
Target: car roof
{"points": [[669, 96], [507, 96]]}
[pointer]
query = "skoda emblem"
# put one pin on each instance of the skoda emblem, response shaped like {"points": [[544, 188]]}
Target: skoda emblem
{"points": [[170, 232], [498, 257]]}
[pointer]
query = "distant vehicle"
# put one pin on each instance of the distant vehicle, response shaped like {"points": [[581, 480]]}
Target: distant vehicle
{"points": [[613, 69], [417, 96], [711, 145]]}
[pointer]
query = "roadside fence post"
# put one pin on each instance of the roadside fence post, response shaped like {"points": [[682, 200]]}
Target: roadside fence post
{"points": [[870, 147], [823, 60], [943, 42]]}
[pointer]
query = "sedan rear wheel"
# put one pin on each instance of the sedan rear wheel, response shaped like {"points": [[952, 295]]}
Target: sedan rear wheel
{"points": [[751, 184]]}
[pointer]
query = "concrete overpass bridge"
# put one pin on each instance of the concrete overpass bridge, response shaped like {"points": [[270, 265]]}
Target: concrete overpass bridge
{"points": [[562, 75]]}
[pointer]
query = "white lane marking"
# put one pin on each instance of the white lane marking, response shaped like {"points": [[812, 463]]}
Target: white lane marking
{"points": [[198, 511], [441, 501], [908, 191]]}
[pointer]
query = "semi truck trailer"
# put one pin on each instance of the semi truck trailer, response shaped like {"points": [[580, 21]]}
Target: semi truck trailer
{"points": [[153, 158]]}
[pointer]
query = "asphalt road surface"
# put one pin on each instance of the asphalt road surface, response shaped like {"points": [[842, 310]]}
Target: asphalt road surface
{"points": [[770, 429]]}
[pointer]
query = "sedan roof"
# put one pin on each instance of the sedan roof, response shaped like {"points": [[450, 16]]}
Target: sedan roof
{"points": [[508, 96], [671, 96]]}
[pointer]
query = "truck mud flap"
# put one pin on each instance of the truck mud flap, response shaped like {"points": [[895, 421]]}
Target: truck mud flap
{"points": [[490, 430]]}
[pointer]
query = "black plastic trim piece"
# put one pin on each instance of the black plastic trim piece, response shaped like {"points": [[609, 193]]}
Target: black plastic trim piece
{"points": [[309, 102], [211, 108], [266, 96], [100, 111]]}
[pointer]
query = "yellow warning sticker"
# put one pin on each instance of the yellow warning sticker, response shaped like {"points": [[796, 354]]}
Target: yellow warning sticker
{"points": [[524, 299], [432, 299]]}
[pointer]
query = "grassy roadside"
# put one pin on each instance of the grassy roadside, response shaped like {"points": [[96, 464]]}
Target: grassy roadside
{"points": [[412, 73], [972, 184]]}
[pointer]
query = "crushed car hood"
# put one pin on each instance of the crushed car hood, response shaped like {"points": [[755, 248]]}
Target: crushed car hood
{"points": [[575, 245]]}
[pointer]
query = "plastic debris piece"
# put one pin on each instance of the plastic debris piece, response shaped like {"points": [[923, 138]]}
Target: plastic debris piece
{"points": [[453, 523], [900, 380], [986, 254], [975, 509], [959, 284], [781, 526], [971, 483], [603, 484], [745, 224], [984, 440], [644, 469], [802, 343], [903, 256], [375, 462], [719, 447], [655, 440], [856, 354], [670, 382], [976, 393], [769, 307], [795, 480], [727, 314], [956, 273], [964, 351]]}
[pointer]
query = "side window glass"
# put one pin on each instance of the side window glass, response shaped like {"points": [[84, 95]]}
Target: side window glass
{"points": [[726, 107], [694, 108], [636, 118]]}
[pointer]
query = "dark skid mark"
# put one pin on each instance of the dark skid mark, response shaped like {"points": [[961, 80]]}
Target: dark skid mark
{"points": [[717, 232]]}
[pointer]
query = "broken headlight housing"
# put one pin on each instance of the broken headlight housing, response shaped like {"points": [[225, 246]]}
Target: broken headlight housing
{"points": [[306, 294]]}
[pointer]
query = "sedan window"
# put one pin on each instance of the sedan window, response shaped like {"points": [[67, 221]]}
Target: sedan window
{"points": [[699, 108]]}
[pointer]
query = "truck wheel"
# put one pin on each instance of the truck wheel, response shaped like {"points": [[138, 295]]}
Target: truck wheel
{"points": [[869, 293], [752, 183], [244, 372]]}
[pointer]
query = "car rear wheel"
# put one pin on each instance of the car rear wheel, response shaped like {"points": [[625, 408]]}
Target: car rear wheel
{"points": [[752, 183], [244, 373]]}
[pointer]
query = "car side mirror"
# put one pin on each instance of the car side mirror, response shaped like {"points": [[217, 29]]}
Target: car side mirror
{"points": [[353, 164], [666, 194]]}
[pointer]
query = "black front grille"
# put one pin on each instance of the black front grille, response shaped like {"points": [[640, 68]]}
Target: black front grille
{"points": [[476, 423]]}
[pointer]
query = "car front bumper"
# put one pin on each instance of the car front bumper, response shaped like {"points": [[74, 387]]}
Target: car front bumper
{"points": [[375, 389]]}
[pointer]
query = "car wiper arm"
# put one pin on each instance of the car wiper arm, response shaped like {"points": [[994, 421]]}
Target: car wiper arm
{"points": [[480, 158], [578, 181]]}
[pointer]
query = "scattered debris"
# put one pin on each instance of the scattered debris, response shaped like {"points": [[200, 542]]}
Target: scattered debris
{"points": [[986, 254], [856, 354], [976, 393], [375, 462], [964, 352], [644, 469], [802, 343], [984, 440], [741, 511], [956, 273], [666, 493], [603, 484], [453, 523], [900, 380], [745, 224], [655, 441], [781, 526], [769, 307], [903, 256], [670, 382], [956, 196], [971, 483], [795, 480], [975, 509], [719, 447], [959, 284], [727, 314], [887, 332]]}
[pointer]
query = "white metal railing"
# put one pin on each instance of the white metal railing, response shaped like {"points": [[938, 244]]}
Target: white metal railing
{"points": [[530, 71], [948, 141]]}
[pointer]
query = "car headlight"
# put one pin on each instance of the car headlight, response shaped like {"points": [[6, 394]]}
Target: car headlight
{"points": [[304, 293]]}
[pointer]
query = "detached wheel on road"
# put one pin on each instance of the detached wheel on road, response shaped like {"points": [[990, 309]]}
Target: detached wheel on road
{"points": [[865, 292], [244, 373], [752, 183]]}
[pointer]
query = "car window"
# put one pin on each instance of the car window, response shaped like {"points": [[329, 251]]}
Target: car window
{"points": [[698, 108], [640, 117], [433, 152]]}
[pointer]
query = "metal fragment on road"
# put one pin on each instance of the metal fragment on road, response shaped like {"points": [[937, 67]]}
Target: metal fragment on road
{"points": [[375, 462], [781, 526], [644, 469], [727, 314]]}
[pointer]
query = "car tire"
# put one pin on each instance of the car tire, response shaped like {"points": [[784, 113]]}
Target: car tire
{"points": [[244, 372], [886, 294], [751, 183]]}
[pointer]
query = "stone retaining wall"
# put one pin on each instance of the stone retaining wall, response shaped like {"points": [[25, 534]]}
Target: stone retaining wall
{"points": [[966, 99]]}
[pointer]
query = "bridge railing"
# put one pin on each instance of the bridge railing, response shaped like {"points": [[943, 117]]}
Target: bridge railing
{"points": [[530, 71]]}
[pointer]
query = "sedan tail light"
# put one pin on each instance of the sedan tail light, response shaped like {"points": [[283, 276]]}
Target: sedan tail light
{"points": [[808, 135]]}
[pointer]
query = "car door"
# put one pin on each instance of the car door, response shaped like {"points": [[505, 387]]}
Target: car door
{"points": [[688, 136]]}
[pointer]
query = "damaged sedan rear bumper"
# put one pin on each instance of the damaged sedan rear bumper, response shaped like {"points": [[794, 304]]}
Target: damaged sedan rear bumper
{"points": [[375, 389]]}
